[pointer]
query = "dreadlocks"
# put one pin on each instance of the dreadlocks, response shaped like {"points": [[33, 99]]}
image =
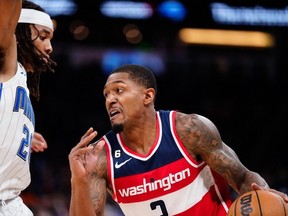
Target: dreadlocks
{"points": [[27, 53]]}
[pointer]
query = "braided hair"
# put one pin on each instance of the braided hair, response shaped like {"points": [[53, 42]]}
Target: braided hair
{"points": [[27, 52]]}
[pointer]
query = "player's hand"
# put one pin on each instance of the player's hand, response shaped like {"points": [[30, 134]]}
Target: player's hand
{"points": [[92, 156], [39, 144], [284, 196], [77, 160]]}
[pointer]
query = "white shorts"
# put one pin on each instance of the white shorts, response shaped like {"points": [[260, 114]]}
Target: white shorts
{"points": [[14, 207]]}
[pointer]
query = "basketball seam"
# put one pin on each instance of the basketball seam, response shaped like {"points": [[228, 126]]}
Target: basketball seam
{"points": [[258, 202], [235, 207], [283, 204]]}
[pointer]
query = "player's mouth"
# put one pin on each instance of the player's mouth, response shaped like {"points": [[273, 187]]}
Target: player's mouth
{"points": [[114, 113]]}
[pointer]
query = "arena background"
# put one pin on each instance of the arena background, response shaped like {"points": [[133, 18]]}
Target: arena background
{"points": [[242, 89]]}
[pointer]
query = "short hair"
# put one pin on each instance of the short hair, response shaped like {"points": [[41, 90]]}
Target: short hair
{"points": [[140, 74], [27, 52]]}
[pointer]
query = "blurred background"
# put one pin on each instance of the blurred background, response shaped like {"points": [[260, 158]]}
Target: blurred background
{"points": [[226, 60]]}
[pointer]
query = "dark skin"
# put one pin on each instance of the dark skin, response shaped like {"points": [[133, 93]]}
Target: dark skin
{"points": [[132, 106]]}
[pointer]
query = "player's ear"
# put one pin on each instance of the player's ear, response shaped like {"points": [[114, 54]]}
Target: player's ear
{"points": [[149, 96]]}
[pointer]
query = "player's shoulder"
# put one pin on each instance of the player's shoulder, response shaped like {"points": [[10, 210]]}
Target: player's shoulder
{"points": [[187, 116], [192, 120]]}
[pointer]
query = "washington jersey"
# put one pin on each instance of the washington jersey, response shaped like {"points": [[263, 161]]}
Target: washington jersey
{"points": [[16, 129], [166, 181]]}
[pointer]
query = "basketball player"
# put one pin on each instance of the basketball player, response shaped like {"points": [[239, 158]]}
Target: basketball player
{"points": [[154, 162], [23, 48]]}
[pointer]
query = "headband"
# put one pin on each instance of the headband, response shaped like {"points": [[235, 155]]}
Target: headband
{"points": [[35, 17]]}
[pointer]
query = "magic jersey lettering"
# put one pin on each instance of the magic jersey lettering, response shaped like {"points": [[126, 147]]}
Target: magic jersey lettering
{"points": [[22, 101], [17, 123]]}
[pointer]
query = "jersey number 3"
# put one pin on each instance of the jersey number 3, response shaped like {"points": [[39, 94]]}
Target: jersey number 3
{"points": [[162, 206]]}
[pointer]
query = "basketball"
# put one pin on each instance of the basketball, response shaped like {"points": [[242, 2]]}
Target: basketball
{"points": [[258, 203]]}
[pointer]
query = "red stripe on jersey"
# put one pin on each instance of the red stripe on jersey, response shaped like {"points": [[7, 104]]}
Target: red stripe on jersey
{"points": [[179, 142], [155, 183], [207, 206], [109, 165]]}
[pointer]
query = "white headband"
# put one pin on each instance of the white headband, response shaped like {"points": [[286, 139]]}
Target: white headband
{"points": [[35, 17]]}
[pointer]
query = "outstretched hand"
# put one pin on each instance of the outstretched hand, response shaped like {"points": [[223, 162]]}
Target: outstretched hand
{"points": [[78, 154], [284, 196], [39, 144]]}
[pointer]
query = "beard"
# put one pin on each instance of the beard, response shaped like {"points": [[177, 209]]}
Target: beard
{"points": [[117, 128]]}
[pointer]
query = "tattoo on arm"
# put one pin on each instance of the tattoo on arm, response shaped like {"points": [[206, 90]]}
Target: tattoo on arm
{"points": [[199, 137], [203, 142], [99, 185]]}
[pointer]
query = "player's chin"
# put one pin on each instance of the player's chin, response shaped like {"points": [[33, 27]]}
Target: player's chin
{"points": [[117, 128]]}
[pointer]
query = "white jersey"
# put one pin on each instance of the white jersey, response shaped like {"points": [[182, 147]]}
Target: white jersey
{"points": [[17, 123]]}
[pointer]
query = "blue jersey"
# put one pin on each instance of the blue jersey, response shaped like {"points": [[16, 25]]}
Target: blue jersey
{"points": [[166, 181]]}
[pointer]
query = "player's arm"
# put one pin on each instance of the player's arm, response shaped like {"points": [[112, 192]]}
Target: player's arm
{"points": [[203, 141], [10, 12], [88, 167], [88, 198]]}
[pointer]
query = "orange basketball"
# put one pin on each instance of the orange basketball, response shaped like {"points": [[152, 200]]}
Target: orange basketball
{"points": [[258, 203]]}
